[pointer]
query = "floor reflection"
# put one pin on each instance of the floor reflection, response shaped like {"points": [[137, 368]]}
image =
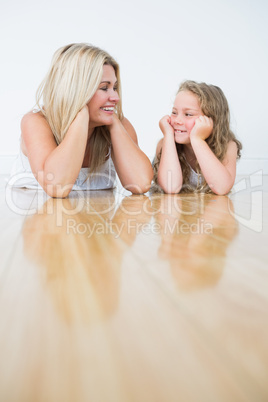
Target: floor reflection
{"points": [[195, 231], [79, 257], [132, 216]]}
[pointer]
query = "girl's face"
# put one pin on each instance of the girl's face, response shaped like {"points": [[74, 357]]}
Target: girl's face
{"points": [[102, 104], [186, 110]]}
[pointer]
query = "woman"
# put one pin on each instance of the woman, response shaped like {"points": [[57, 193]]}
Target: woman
{"points": [[78, 139]]}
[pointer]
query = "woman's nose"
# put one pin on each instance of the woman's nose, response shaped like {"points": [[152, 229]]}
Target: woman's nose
{"points": [[114, 97]]}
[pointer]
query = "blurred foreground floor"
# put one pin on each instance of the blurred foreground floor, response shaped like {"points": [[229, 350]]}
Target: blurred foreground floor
{"points": [[108, 297]]}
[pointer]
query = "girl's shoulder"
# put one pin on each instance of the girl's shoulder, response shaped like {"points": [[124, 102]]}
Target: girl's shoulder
{"points": [[231, 154], [232, 147]]}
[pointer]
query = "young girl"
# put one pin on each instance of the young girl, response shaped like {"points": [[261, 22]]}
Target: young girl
{"points": [[79, 139], [198, 151]]}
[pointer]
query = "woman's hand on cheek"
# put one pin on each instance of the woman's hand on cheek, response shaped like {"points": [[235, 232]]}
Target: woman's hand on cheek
{"points": [[202, 129], [82, 118], [165, 125], [115, 121], [84, 112]]}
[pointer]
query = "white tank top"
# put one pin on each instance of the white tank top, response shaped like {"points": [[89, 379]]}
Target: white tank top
{"points": [[21, 176], [195, 178]]}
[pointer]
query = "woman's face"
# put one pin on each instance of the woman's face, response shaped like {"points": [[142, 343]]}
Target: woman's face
{"points": [[186, 110], [101, 106]]}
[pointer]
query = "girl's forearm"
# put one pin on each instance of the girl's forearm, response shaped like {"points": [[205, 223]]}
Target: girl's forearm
{"points": [[132, 165], [218, 177], [169, 173]]}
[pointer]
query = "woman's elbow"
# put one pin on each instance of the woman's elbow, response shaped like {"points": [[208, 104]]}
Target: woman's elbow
{"points": [[140, 188], [140, 185], [57, 190]]}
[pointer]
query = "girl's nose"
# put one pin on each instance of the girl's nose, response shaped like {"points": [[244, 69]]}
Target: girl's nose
{"points": [[178, 119]]}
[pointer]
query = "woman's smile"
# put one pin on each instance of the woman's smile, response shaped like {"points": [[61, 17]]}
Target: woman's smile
{"points": [[108, 109], [102, 105]]}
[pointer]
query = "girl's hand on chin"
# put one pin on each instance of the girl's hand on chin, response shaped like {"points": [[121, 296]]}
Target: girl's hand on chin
{"points": [[202, 129], [165, 125]]}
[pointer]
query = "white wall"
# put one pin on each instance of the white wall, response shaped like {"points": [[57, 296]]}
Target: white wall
{"points": [[158, 44]]}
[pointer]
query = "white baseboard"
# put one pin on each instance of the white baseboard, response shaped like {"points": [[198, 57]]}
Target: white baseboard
{"points": [[245, 166]]}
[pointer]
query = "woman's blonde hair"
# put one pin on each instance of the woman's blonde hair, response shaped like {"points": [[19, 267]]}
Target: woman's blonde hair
{"points": [[213, 103], [72, 80]]}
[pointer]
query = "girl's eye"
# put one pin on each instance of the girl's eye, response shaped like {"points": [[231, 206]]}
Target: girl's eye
{"points": [[116, 89], [173, 112], [188, 114]]}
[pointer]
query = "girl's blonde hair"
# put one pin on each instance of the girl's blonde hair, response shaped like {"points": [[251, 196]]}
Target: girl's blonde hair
{"points": [[213, 103], [72, 80]]}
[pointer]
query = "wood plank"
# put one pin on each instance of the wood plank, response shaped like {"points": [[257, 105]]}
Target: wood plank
{"points": [[110, 297]]}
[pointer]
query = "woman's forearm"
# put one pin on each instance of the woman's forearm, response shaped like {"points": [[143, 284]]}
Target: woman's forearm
{"points": [[133, 167], [62, 166]]}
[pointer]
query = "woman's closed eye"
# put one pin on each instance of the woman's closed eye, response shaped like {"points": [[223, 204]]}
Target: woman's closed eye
{"points": [[106, 89]]}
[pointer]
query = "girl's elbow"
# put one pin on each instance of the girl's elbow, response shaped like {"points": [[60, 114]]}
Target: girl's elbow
{"points": [[221, 190], [170, 188]]}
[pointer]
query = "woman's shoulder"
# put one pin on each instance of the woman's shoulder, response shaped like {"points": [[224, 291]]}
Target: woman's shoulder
{"points": [[33, 122], [34, 128], [32, 118]]}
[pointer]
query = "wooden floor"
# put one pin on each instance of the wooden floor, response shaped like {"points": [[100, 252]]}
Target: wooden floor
{"points": [[107, 297]]}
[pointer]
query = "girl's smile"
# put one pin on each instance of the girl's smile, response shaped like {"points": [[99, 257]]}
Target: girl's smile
{"points": [[186, 110]]}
